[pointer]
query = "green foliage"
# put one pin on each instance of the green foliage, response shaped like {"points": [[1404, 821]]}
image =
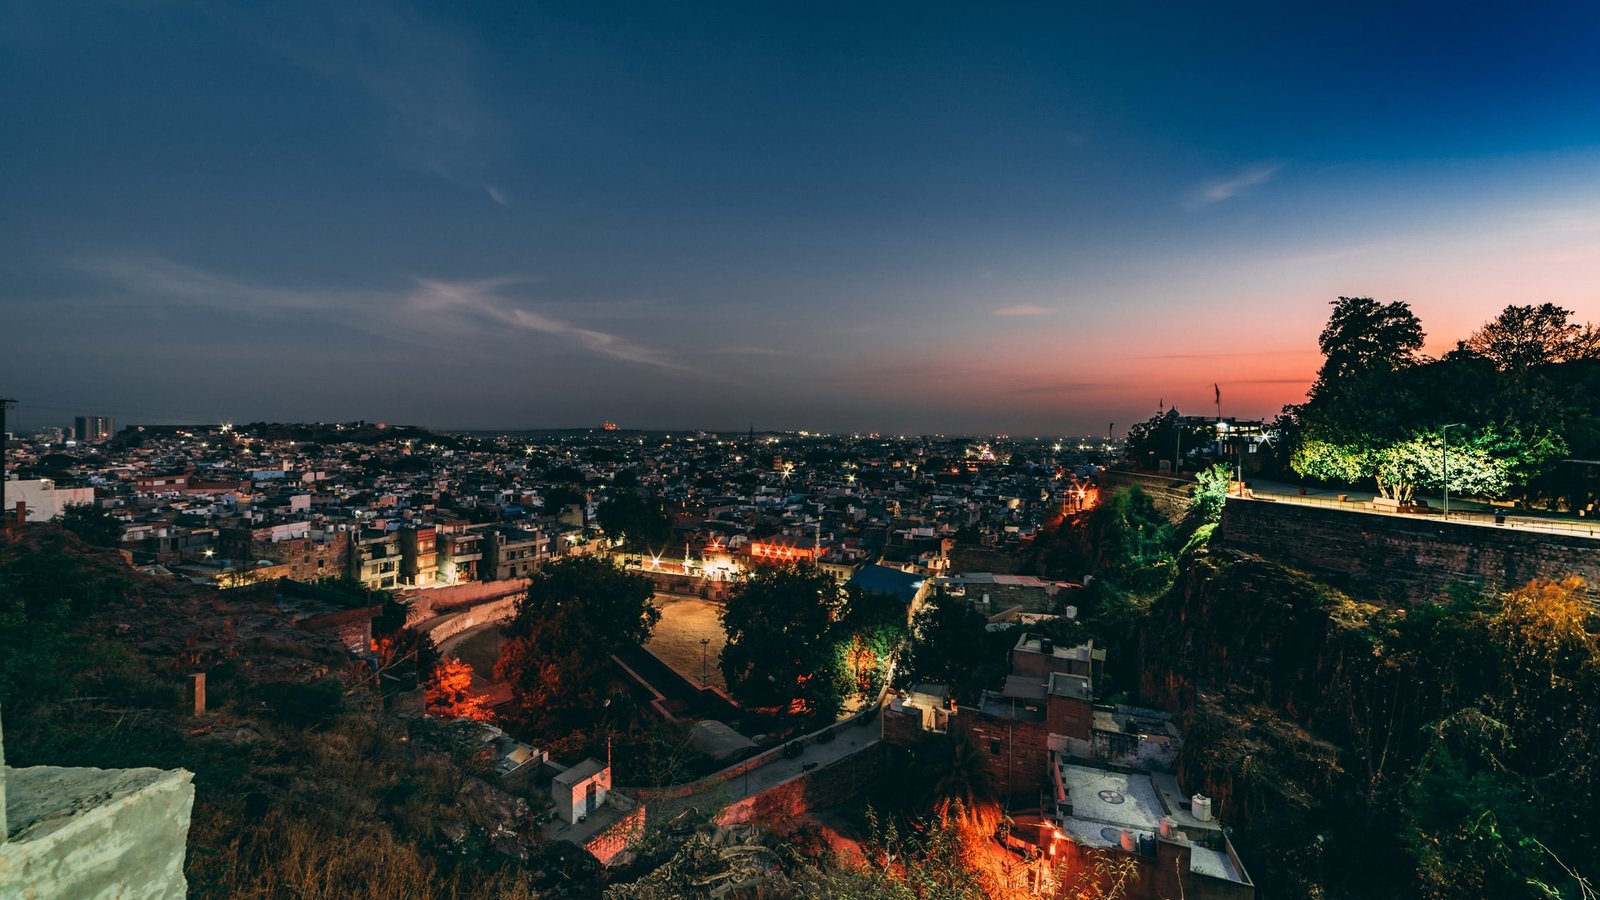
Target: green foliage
{"points": [[780, 650], [1468, 819], [1400, 467], [91, 523], [870, 633], [1211, 492], [578, 611]]}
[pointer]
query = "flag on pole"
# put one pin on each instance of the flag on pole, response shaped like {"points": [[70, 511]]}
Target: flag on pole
{"points": [[1218, 389]]}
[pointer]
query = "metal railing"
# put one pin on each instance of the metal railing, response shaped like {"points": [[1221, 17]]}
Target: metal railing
{"points": [[1457, 516]]}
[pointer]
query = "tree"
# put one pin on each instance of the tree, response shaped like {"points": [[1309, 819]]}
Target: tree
{"points": [[780, 626], [450, 695], [1400, 467], [1522, 337], [91, 523], [872, 630], [638, 523], [577, 612], [1364, 336], [952, 645]]}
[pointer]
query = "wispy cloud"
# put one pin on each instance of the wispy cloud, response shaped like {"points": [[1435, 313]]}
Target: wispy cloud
{"points": [[1022, 310], [1212, 192], [422, 79], [427, 312]]}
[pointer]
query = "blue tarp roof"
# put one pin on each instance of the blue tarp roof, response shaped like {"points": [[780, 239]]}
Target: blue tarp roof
{"points": [[886, 580]]}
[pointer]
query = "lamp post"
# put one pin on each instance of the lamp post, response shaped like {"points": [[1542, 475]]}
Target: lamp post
{"points": [[1445, 433], [705, 643]]}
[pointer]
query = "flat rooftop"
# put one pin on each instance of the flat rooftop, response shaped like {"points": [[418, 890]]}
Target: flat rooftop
{"points": [[1103, 803]]}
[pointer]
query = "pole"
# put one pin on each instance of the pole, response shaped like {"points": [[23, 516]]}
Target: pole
{"points": [[5, 404], [1445, 433]]}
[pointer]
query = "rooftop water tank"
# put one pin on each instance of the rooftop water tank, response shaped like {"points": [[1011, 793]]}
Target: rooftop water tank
{"points": [[1200, 806]]}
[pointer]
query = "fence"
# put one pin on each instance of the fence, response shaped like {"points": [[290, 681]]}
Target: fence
{"points": [[1465, 517]]}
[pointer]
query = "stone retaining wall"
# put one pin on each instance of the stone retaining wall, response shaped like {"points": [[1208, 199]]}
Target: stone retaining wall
{"points": [[1171, 495], [1402, 559]]}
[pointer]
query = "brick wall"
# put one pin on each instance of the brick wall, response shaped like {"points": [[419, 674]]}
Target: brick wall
{"points": [[1403, 559], [1014, 753]]}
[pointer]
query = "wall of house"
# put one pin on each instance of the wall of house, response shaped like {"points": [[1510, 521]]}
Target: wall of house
{"points": [[1403, 559], [1014, 753]]}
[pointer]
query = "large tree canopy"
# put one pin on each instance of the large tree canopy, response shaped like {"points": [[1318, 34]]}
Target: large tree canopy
{"points": [[1378, 411], [780, 652], [1363, 336], [557, 656], [639, 523], [1522, 337]]}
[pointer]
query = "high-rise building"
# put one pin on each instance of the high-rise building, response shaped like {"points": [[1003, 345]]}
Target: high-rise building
{"points": [[94, 429]]}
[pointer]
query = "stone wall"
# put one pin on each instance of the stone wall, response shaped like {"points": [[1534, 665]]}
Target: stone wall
{"points": [[837, 782], [96, 833], [425, 603], [1171, 495], [1403, 559], [446, 627]]}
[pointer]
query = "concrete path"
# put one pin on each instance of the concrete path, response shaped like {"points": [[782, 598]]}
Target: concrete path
{"points": [[1465, 512], [849, 740]]}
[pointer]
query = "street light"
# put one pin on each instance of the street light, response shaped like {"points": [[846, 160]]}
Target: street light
{"points": [[704, 643], [1445, 433]]}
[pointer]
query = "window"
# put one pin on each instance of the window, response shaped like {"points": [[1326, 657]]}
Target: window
{"points": [[994, 746]]}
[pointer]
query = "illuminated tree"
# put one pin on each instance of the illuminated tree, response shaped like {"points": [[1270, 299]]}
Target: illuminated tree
{"points": [[450, 695], [1211, 492], [872, 629], [1400, 467]]}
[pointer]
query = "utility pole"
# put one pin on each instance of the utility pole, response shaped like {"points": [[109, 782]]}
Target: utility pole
{"points": [[5, 404], [1445, 433]]}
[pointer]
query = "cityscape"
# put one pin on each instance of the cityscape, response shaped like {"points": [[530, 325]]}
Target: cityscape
{"points": [[524, 450]]}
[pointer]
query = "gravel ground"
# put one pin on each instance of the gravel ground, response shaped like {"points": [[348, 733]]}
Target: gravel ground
{"points": [[676, 640]]}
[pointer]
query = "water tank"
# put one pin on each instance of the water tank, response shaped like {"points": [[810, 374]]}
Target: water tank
{"points": [[1200, 805], [1128, 844], [1169, 828]]}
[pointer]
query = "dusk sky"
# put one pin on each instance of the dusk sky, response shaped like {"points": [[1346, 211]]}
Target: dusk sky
{"points": [[918, 217]]}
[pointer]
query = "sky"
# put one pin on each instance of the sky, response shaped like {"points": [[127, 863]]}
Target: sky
{"points": [[1021, 218]]}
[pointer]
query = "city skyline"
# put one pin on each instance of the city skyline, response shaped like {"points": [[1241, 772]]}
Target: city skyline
{"points": [[903, 219]]}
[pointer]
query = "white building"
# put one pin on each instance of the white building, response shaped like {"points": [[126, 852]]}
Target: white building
{"points": [[45, 501]]}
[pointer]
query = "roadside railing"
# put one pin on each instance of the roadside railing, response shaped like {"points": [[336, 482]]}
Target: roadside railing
{"points": [[1464, 517]]}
